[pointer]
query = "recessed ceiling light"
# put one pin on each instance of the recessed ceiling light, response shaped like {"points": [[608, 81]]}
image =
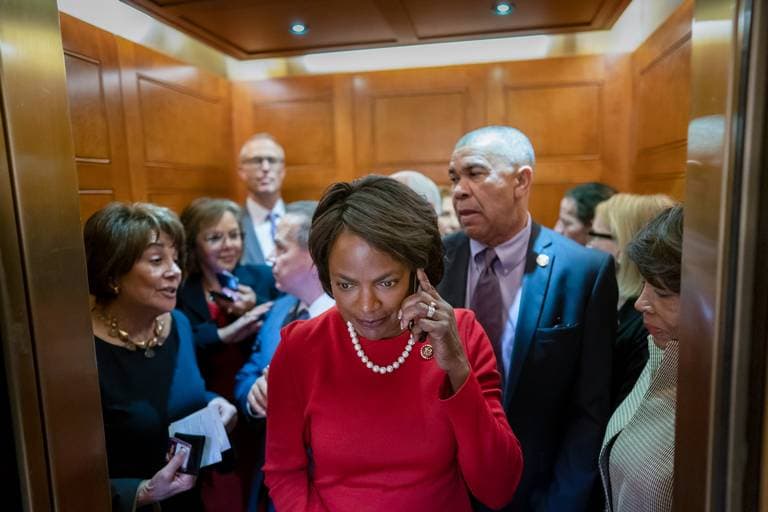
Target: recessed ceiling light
{"points": [[299, 28], [503, 8]]}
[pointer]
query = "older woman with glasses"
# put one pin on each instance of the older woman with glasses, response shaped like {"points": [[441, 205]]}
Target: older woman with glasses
{"points": [[637, 457], [225, 302]]}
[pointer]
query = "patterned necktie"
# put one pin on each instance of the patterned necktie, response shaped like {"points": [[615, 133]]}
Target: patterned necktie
{"points": [[272, 217], [297, 313], [487, 303]]}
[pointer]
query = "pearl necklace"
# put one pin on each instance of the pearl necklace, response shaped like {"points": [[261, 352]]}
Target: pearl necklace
{"points": [[375, 368]]}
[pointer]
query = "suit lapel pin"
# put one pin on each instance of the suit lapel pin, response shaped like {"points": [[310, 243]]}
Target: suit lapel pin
{"points": [[542, 260]]}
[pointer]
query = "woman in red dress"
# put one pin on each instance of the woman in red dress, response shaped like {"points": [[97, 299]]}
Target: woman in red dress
{"points": [[390, 400]]}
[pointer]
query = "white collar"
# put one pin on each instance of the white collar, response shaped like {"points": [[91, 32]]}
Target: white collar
{"points": [[320, 305], [259, 214]]}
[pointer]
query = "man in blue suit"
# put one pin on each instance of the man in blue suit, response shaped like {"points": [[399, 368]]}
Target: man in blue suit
{"points": [[296, 275], [549, 308]]}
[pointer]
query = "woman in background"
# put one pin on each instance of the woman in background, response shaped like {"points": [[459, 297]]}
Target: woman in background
{"points": [[617, 220], [363, 414], [577, 209], [225, 321], [637, 458], [148, 375]]}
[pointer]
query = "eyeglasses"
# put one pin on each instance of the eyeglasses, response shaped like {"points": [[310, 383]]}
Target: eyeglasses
{"points": [[604, 236], [214, 239], [259, 161]]}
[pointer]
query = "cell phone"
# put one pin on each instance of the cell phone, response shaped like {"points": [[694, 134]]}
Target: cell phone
{"points": [[222, 296], [228, 280], [413, 286], [191, 446]]}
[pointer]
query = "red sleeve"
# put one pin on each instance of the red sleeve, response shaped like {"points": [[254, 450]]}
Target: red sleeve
{"points": [[489, 454], [286, 466]]}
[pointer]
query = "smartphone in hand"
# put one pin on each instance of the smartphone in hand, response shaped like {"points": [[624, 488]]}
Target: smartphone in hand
{"points": [[228, 280], [222, 296]]}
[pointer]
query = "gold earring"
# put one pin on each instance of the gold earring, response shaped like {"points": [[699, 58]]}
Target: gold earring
{"points": [[115, 288]]}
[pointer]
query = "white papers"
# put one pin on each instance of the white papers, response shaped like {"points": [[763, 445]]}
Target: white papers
{"points": [[205, 422]]}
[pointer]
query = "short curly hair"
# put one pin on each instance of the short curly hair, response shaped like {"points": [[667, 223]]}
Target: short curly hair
{"points": [[386, 214], [115, 238], [658, 248]]}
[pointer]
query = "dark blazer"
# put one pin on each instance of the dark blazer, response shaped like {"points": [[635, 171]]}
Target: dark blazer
{"points": [[252, 253], [192, 302], [558, 387]]}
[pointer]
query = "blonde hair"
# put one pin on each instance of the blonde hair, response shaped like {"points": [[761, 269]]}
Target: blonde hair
{"points": [[625, 215]]}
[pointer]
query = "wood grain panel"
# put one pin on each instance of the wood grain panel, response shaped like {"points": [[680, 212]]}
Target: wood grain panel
{"points": [[311, 117], [411, 119], [96, 111], [178, 121], [416, 129], [663, 98], [87, 108], [662, 80], [673, 186], [181, 126], [303, 127], [254, 29], [544, 203], [560, 119], [92, 201]]}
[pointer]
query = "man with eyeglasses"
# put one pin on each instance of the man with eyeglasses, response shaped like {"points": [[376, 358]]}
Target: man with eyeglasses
{"points": [[261, 166]]}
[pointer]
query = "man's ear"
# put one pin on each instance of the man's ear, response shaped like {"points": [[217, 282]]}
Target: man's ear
{"points": [[523, 181]]}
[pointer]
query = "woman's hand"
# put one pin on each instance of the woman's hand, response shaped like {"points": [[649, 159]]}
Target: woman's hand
{"points": [[246, 300], [257, 396], [166, 483], [440, 327], [227, 412], [245, 326]]}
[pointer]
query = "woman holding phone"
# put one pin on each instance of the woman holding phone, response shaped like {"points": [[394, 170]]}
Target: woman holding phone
{"points": [[148, 376], [362, 412], [225, 302]]}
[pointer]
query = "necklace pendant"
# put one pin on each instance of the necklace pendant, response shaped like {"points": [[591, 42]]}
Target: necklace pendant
{"points": [[149, 353], [427, 352]]}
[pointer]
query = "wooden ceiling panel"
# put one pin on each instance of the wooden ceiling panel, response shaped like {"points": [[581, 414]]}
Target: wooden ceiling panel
{"points": [[249, 29], [471, 18]]}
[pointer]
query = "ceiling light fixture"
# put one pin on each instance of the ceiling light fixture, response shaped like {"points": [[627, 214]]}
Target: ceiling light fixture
{"points": [[299, 28], [503, 8]]}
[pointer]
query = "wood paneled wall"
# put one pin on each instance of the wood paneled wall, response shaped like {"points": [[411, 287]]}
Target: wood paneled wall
{"points": [[336, 127], [661, 76], [146, 127]]}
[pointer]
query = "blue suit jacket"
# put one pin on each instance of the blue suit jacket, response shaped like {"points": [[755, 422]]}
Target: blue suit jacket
{"points": [[252, 253], [263, 349], [558, 387]]}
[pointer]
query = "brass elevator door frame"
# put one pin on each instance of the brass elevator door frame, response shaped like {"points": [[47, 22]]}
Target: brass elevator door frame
{"points": [[722, 355], [47, 340]]}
